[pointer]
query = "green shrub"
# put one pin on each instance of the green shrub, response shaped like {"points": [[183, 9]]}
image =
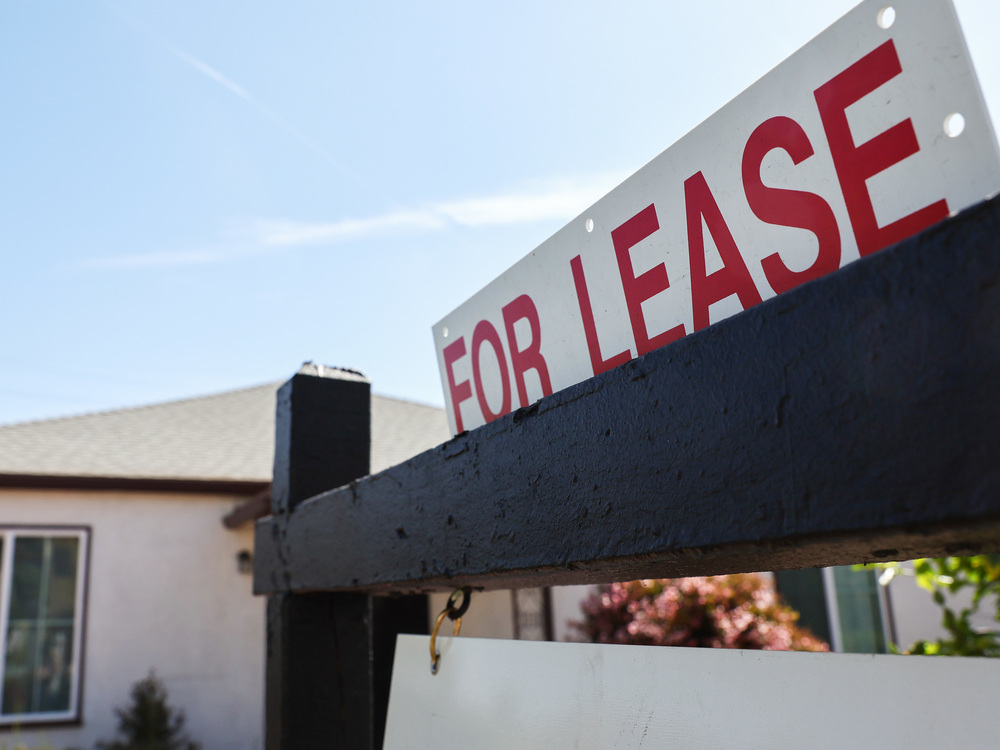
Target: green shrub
{"points": [[943, 576], [149, 723], [734, 611]]}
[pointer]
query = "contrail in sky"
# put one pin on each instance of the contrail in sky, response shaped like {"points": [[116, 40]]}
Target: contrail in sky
{"points": [[211, 73], [227, 83]]}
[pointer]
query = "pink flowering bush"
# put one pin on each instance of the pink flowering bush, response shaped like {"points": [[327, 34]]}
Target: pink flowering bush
{"points": [[734, 611]]}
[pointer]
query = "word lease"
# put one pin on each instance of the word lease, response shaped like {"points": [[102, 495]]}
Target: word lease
{"points": [[870, 133]]}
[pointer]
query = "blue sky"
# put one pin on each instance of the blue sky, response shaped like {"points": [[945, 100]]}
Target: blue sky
{"points": [[198, 196]]}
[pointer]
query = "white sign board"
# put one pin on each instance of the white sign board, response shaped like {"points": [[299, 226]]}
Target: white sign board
{"points": [[502, 695], [873, 131]]}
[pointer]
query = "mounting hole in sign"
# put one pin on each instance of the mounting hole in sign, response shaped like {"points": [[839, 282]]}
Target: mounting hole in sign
{"points": [[589, 224], [886, 17], [954, 124], [444, 332]]}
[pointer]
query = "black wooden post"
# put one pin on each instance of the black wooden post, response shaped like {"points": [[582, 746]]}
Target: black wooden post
{"points": [[328, 654]]}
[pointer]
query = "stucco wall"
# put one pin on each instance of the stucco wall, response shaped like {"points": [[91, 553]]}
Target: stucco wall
{"points": [[491, 614], [164, 594]]}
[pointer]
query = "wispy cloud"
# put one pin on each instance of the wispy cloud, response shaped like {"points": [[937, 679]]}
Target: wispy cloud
{"points": [[565, 202], [294, 233], [561, 200]]}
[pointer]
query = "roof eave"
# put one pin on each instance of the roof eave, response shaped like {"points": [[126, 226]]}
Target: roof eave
{"points": [[149, 484]]}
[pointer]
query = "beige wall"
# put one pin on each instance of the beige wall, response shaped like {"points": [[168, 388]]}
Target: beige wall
{"points": [[164, 594], [490, 615]]}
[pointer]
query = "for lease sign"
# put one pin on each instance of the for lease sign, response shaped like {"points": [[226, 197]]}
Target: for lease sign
{"points": [[873, 131]]}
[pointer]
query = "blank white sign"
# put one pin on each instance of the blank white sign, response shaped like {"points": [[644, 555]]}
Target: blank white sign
{"points": [[520, 695]]}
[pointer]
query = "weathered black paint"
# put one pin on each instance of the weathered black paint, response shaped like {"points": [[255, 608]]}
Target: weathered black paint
{"points": [[322, 434], [329, 655], [854, 418], [319, 688]]}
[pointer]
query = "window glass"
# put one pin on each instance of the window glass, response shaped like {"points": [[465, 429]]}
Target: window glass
{"points": [[860, 613], [61, 602], [26, 581], [841, 607], [42, 622], [803, 590]]}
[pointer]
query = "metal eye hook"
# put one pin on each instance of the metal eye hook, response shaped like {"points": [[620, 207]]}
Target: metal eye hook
{"points": [[453, 613]]}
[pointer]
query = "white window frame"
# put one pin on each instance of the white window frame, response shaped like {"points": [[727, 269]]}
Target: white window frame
{"points": [[833, 612], [8, 535]]}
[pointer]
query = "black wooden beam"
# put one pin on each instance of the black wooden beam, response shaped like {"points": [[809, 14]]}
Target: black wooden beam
{"points": [[855, 418]]}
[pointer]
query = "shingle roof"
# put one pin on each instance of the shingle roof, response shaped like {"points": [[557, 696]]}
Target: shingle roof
{"points": [[224, 437]]}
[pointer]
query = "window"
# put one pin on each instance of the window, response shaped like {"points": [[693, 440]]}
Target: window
{"points": [[42, 575], [840, 605], [858, 606]]}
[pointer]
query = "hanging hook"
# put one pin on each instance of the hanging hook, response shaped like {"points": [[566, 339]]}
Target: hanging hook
{"points": [[453, 613]]}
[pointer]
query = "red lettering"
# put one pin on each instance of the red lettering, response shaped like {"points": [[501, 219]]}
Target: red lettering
{"points": [[855, 164], [638, 289], [789, 208], [733, 277], [529, 358], [597, 361], [486, 333], [459, 392]]}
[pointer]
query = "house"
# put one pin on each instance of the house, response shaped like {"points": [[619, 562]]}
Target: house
{"points": [[125, 546]]}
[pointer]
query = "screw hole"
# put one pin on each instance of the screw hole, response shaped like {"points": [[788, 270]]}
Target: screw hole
{"points": [[954, 124], [886, 17], [590, 225]]}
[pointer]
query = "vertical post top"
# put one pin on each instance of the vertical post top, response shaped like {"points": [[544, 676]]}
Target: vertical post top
{"points": [[336, 373], [322, 433]]}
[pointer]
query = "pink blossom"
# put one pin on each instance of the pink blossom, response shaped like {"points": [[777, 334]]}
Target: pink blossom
{"points": [[735, 611]]}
